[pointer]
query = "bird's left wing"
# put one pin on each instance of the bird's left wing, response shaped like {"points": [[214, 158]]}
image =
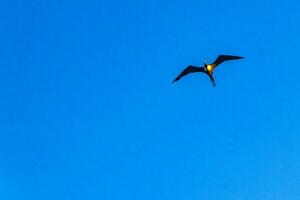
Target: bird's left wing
{"points": [[189, 69], [223, 58]]}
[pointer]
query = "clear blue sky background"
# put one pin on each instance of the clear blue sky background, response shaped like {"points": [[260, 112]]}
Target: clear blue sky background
{"points": [[88, 111]]}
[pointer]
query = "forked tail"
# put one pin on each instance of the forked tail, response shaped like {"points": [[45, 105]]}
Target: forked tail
{"points": [[212, 80]]}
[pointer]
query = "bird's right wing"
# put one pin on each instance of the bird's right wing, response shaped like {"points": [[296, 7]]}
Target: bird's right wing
{"points": [[189, 69], [223, 58]]}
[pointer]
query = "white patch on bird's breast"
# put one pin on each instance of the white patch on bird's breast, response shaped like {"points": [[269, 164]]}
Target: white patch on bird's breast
{"points": [[209, 67]]}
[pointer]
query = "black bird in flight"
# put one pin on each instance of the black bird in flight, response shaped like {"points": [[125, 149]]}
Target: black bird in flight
{"points": [[207, 68]]}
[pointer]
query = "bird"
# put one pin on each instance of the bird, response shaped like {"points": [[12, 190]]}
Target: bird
{"points": [[207, 68]]}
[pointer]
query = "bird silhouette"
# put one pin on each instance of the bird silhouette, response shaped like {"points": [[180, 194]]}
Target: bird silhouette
{"points": [[207, 68]]}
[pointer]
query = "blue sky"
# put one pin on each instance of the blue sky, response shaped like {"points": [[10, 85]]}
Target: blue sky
{"points": [[88, 111]]}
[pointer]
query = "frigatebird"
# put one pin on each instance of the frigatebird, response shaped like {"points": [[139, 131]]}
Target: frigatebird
{"points": [[207, 68]]}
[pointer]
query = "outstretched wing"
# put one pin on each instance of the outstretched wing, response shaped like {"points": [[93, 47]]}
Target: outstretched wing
{"points": [[223, 58], [189, 69]]}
